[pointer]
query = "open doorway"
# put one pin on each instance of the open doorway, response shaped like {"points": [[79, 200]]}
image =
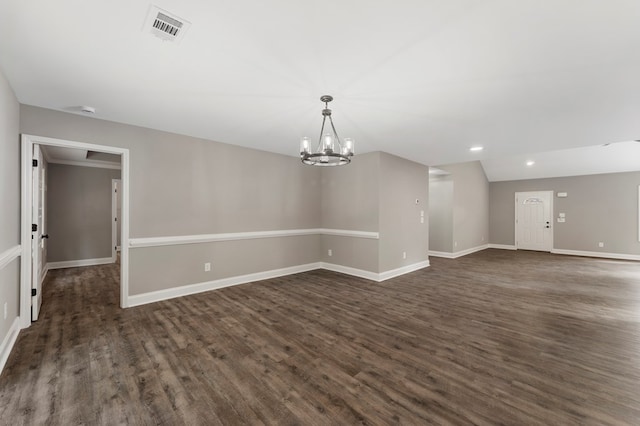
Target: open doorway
{"points": [[35, 227]]}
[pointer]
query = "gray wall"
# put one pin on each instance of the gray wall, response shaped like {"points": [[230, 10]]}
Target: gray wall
{"points": [[598, 208], [470, 205], [441, 213], [10, 203], [402, 182], [181, 185], [167, 265], [349, 200], [79, 212], [376, 193]]}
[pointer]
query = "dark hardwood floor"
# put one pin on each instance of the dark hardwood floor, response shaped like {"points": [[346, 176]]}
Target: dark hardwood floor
{"points": [[496, 337]]}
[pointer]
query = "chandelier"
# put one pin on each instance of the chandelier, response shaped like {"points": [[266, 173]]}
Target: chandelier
{"points": [[330, 151]]}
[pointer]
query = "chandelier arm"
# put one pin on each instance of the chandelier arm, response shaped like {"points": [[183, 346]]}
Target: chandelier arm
{"points": [[324, 118], [334, 131]]}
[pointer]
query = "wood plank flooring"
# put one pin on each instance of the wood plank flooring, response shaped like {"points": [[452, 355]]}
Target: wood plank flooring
{"points": [[496, 337]]}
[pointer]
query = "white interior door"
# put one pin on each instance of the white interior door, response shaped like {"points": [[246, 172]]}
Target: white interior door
{"points": [[116, 214], [44, 239], [533, 220], [37, 241]]}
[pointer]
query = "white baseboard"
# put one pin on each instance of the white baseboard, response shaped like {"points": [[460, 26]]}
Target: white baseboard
{"points": [[458, 254], [373, 276], [620, 256], [403, 270], [604, 255], [82, 262], [444, 254], [8, 342], [503, 247], [170, 293]]}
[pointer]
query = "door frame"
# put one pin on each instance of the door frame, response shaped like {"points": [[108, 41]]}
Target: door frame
{"points": [[27, 142], [38, 217], [551, 216]]}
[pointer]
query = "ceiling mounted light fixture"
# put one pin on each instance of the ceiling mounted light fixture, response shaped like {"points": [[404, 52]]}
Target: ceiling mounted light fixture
{"points": [[330, 151]]}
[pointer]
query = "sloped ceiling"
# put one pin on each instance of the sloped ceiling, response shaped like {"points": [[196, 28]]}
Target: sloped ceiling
{"points": [[424, 79], [610, 158]]}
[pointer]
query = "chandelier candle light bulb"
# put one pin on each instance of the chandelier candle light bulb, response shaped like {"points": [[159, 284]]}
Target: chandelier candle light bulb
{"points": [[328, 142], [304, 145], [330, 151]]}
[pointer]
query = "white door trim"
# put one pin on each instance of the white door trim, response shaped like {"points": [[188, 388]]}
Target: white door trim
{"points": [[26, 204], [36, 219], [551, 216]]}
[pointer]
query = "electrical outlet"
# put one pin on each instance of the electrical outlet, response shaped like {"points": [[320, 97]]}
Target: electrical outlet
{"points": [[455, 244], [404, 254], [5, 310], [330, 252], [600, 244], [207, 267]]}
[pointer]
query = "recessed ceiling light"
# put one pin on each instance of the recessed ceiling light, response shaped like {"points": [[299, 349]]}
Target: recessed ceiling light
{"points": [[476, 148], [530, 163], [87, 109]]}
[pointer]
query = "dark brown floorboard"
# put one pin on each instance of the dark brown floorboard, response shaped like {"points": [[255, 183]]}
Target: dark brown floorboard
{"points": [[496, 337]]}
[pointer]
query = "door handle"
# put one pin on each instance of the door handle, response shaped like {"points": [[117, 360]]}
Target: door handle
{"points": [[45, 236]]}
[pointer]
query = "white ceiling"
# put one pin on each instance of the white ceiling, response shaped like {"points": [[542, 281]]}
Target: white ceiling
{"points": [[54, 154], [422, 79]]}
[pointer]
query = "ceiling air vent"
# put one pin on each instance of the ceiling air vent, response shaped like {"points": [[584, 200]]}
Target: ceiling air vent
{"points": [[165, 25]]}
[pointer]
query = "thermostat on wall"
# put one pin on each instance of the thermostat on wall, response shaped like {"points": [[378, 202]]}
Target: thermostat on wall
{"points": [[562, 194]]}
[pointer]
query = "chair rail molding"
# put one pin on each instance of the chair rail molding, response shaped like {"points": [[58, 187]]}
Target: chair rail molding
{"points": [[9, 255], [208, 238]]}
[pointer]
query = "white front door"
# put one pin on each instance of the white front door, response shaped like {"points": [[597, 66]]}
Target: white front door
{"points": [[533, 220], [38, 238]]}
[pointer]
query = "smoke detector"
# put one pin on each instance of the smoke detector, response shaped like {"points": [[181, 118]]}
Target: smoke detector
{"points": [[165, 25]]}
